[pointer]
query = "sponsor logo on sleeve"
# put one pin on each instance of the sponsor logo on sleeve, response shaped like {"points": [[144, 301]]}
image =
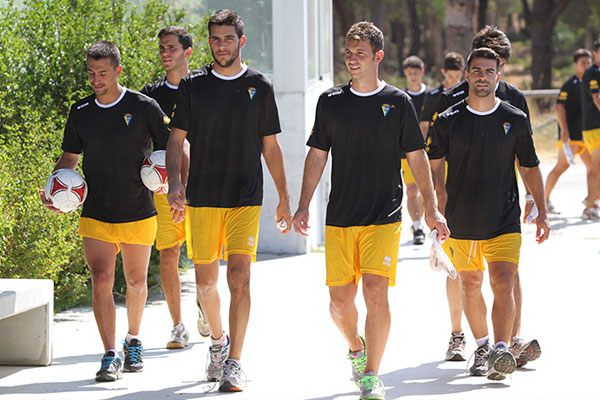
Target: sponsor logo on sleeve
{"points": [[593, 84], [562, 95]]}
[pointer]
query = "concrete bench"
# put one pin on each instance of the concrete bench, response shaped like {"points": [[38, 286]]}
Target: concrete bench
{"points": [[26, 309]]}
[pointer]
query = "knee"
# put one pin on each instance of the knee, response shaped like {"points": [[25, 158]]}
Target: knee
{"points": [[137, 282], [375, 293], [503, 282], [101, 279], [340, 305], [239, 279], [170, 255], [470, 286]]}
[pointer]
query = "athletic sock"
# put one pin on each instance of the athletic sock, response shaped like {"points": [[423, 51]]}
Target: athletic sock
{"points": [[480, 342], [239, 364], [417, 225], [130, 337], [114, 352], [219, 341], [500, 344]]}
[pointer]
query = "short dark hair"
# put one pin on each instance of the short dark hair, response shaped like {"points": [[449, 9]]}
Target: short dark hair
{"points": [[453, 61], [229, 18], [413, 62], [184, 37], [483, 52], [493, 38], [596, 45], [105, 49], [580, 53], [366, 31]]}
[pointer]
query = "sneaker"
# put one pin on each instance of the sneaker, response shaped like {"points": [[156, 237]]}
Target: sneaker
{"points": [[551, 208], [592, 213], [456, 347], [479, 367], [371, 387], [179, 337], [133, 356], [418, 235], [218, 353], [525, 351], [231, 381], [203, 326], [359, 361], [111, 368], [501, 362]]}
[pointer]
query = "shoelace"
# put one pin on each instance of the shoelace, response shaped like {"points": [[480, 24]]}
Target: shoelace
{"points": [[217, 353], [134, 352], [107, 361], [456, 341], [370, 382], [479, 356]]}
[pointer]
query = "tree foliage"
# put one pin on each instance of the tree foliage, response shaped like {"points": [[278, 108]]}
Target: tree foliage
{"points": [[42, 72]]}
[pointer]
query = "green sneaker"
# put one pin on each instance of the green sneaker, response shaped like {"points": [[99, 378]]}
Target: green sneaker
{"points": [[371, 387], [359, 362]]}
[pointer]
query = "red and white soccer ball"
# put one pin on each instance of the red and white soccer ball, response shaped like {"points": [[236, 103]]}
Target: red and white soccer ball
{"points": [[66, 189], [154, 172]]}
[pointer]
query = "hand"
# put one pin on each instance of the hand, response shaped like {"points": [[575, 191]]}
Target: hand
{"points": [[284, 213], [47, 203], [301, 221], [435, 220], [177, 201], [543, 227]]}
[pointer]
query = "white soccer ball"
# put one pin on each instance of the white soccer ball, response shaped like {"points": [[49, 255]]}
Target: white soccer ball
{"points": [[154, 172], [66, 189]]}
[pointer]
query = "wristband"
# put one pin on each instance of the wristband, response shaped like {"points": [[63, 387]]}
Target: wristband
{"points": [[529, 198]]}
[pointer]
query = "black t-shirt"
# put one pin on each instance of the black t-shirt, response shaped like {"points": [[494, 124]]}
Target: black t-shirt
{"points": [[570, 96], [431, 104], [165, 94], [366, 135], [591, 114], [483, 197], [418, 98], [114, 140], [226, 119], [505, 91]]}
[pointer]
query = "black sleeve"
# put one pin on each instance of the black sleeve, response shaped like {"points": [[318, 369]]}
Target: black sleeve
{"points": [[437, 139], [525, 149], [158, 125], [430, 107], [591, 82], [319, 137], [72, 142], [521, 104], [411, 138], [563, 95], [182, 108], [270, 121], [147, 89]]}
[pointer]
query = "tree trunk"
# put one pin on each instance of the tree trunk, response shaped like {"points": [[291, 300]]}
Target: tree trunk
{"points": [[459, 25], [435, 46], [482, 14], [541, 21], [343, 20], [397, 28], [414, 34]]}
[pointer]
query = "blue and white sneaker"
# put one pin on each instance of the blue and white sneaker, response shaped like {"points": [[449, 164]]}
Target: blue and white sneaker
{"points": [[133, 356], [111, 368]]}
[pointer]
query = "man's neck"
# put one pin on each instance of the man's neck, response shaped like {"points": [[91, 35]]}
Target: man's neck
{"points": [[414, 87], [366, 85], [481, 103], [174, 76], [232, 70], [579, 76], [448, 84], [111, 96]]}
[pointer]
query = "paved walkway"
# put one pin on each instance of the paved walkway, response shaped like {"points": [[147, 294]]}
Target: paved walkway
{"points": [[293, 350]]}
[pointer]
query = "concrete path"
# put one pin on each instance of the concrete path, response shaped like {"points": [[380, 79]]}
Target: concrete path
{"points": [[293, 350]]}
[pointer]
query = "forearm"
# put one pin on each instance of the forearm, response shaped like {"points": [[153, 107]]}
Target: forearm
{"points": [[419, 165], [424, 125], [536, 186], [185, 162], [313, 169], [596, 98], [174, 156], [274, 160], [561, 116], [67, 160]]}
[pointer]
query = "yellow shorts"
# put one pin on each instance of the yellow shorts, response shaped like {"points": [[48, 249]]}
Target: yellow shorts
{"points": [[209, 229], [592, 139], [136, 232], [169, 233], [407, 173], [356, 250], [579, 143], [467, 255]]}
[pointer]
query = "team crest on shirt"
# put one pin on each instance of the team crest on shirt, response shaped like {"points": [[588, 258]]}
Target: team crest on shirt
{"points": [[385, 108], [506, 127], [127, 117], [593, 84], [251, 92], [166, 120]]}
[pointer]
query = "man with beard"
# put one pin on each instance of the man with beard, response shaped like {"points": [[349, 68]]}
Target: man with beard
{"points": [[228, 113], [480, 137]]}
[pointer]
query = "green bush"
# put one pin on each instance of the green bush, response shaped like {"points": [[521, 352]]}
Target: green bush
{"points": [[42, 72]]}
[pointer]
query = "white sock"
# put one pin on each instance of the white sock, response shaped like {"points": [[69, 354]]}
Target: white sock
{"points": [[417, 224], [220, 340], [114, 352], [130, 337], [235, 361], [500, 344], [480, 342]]}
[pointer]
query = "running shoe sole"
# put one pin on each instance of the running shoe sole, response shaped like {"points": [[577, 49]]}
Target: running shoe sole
{"points": [[109, 377], [531, 352], [456, 357], [227, 387], [175, 345], [504, 365]]}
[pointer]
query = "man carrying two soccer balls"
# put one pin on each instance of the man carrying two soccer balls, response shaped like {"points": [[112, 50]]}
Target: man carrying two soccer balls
{"points": [[114, 127]]}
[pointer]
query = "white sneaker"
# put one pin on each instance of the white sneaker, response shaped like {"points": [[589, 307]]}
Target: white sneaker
{"points": [[203, 325], [179, 337], [217, 353], [232, 381]]}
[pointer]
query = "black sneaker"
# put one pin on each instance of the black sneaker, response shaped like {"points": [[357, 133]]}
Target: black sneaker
{"points": [[133, 356], [418, 235], [500, 363], [111, 368], [479, 367]]}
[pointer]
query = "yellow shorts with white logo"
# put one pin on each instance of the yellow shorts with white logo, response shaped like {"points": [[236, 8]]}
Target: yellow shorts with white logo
{"points": [[579, 143], [592, 139], [407, 173], [169, 233], [137, 232], [209, 229], [467, 255], [356, 250]]}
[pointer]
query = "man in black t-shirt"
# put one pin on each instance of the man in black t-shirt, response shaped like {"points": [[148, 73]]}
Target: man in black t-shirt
{"points": [[414, 69], [480, 137], [590, 102], [175, 48], [366, 125], [570, 118], [228, 113], [114, 128]]}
